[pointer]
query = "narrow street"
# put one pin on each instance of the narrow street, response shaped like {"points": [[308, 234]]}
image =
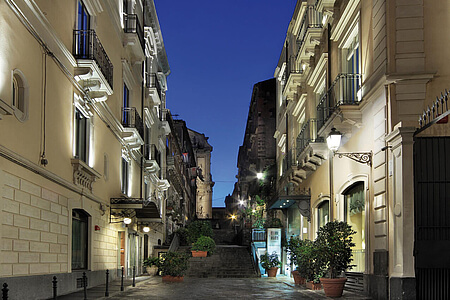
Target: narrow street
{"points": [[214, 288]]}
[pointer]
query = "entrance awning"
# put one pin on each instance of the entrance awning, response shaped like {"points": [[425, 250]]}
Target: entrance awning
{"points": [[303, 202]]}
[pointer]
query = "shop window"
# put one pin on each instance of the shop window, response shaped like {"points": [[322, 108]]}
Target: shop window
{"points": [[323, 213], [355, 216], [79, 239]]}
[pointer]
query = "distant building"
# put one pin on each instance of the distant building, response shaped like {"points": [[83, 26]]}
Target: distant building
{"points": [[202, 150]]}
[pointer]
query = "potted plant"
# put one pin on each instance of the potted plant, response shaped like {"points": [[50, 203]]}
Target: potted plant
{"points": [[203, 246], [334, 243], [151, 265], [270, 262], [173, 265], [198, 228], [295, 251]]}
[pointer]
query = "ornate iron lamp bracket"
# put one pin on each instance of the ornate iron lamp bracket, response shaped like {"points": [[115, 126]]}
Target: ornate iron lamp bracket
{"points": [[361, 157]]}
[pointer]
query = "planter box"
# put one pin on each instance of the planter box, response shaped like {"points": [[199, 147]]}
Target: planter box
{"points": [[313, 286], [199, 253], [168, 278]]}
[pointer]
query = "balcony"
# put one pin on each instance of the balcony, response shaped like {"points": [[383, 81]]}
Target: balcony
{"points": [[293, 76], [308, 134], [94, 67], [154, 91], [325, 6], [309, 33], [345, 90], [134, 35], [133, 127], [152, 162]]}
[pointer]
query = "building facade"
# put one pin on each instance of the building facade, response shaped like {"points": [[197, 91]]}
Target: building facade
{"points": [[83, 141], [370, 70], [202, 150]]}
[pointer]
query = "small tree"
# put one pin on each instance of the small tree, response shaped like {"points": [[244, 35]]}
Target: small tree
{"points": [[204, 243], [304, 255], [198, 228], [269, 260], [173, 263], [334, 242]]}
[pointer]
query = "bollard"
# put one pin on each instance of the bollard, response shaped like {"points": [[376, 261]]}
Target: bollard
{"points": [[5, 291], [85, 285], [134, 276], [55, 288], [121, 281], [107, 283]]}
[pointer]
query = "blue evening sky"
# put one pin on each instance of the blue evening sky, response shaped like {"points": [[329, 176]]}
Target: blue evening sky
{"points": [[217, 51]]}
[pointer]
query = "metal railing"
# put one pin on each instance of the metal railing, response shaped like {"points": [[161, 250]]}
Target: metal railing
{"points": [[153, 82], [343, 91], [311, 19], [86, 45], [308, 134], [255, 259], [132, 119], [132, 25], [258, 235], [175, 243]]}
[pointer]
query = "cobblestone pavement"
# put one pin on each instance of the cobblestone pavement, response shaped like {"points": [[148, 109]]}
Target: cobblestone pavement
{"points": [[218, 288]]}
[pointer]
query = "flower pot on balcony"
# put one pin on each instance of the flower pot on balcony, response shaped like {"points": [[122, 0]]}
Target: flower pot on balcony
{"points": [[272, 272], [297, 278], [333, 287], [313, 286], [168, 278], [199, 253]]}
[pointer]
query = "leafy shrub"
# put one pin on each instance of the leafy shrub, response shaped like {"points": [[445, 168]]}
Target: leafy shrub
{"points": [[173, 263], [151, 261], [182, 234], [333, 243], [269, 260], [198, 228], [273, 223], [204, 243]]}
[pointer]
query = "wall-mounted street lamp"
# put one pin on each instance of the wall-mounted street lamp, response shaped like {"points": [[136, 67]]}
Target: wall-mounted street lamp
{"points": [[259, 175], [127, 221], [146, 229], [333, 143]]}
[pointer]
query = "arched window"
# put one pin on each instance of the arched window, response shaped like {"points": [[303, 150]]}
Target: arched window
{"points": [[20, 95], [355, 215], [323, 213], [80, 222]]}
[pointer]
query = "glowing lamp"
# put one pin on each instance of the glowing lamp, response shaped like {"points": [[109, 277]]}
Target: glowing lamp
{"points": [[334, 140], [146, 229], [127, 221]]}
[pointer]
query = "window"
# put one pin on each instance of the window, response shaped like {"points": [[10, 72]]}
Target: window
{"points": [[323, 213], [20, 95], [79, 239], [83, 26], [125, 105], [82, 125], [125, 173], [355, 215]]}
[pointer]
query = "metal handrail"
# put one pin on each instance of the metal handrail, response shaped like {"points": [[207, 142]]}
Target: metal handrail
{"points": [[175, 244], [311, 19], [255, 259], [86, 45], [153, 82], [308, 134], [132, 119]]}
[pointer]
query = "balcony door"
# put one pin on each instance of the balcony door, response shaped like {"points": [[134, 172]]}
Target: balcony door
{"points": [[83, 25]]}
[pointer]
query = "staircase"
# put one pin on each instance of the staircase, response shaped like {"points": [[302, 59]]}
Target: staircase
{"points": [[228, 261]]}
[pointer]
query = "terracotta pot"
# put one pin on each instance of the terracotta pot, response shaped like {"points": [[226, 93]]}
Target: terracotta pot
{"points": [[272, 272], [333, 287], [168, 278], [313, 286], [297, 278], [199, 253]]}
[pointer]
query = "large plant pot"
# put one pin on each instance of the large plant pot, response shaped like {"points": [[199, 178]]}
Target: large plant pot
{"points": [[152, 270], [333, 287], [272, 272], [313, 286], [168, 278], [297, 278], [199, 253]]}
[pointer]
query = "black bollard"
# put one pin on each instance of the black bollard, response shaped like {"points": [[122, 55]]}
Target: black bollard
{"points": [[55, 288], [5, 291], [121, 281], [85, 285], [107, 283], [134, 276]]}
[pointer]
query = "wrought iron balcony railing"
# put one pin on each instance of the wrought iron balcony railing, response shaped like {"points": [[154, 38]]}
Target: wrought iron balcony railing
{"points": [[86, 45], [308, 134], [343, 91], [132, 25], [311, 19], [132, 119], [153, 82]]}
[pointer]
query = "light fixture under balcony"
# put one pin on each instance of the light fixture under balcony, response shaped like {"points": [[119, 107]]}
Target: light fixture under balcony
{"points": [[334, 140]]}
